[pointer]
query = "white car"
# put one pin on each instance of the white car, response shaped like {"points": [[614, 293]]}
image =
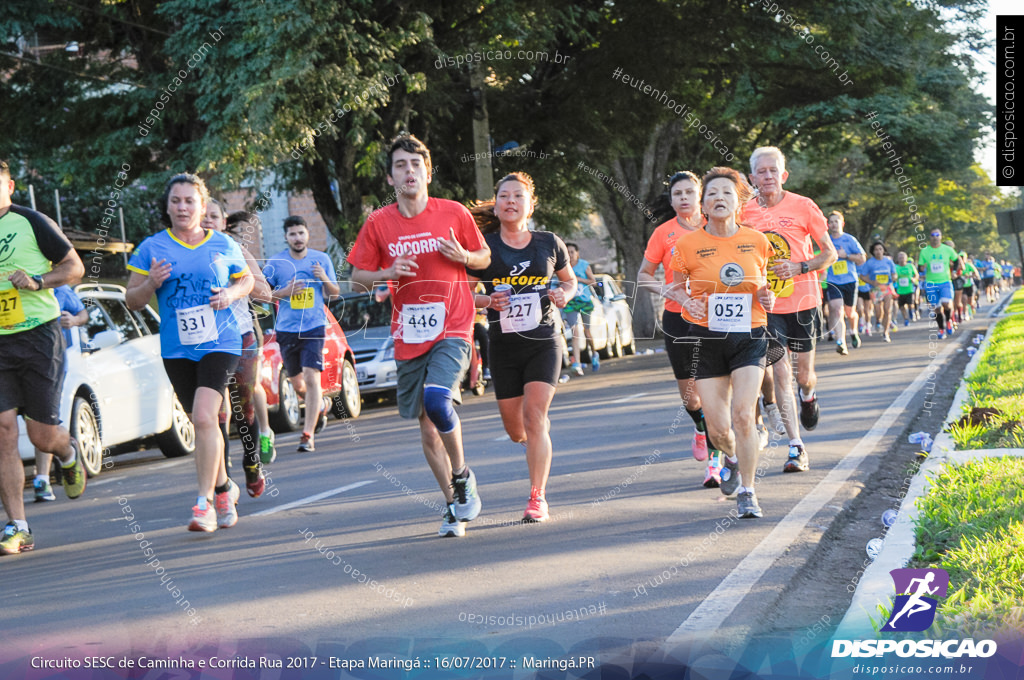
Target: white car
{"points": [[115, 389], [611, 322]]}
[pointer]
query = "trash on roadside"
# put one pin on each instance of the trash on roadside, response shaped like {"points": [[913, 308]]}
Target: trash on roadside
{"points": [[874, 547], [978, 339], [889, 517], [918, 437], [971, 351]]}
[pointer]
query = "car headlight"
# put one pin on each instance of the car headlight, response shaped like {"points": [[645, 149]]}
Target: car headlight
{"points": [[389, 352]]}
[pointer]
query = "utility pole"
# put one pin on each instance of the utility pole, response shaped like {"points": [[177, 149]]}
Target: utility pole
{"points": [[481, 134]]}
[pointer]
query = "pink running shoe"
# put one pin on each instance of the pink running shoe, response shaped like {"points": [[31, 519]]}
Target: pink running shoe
{"points": [[537, 507], [700, 446]]}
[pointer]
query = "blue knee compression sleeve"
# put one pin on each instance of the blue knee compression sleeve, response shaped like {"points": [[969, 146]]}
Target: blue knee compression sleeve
{"points": [[437, 402]]}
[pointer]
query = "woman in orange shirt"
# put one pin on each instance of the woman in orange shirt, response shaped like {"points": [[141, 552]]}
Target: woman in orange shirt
{"points": [[684, 193], [726, 266]]}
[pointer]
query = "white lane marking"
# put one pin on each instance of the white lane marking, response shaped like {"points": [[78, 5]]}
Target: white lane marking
{"points": [[721, 602], [629, 398], [104, 480], [503, 438], [313, 498]]}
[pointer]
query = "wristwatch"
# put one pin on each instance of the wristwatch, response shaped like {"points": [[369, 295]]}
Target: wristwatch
{"points": [[38, 279], [803, 267]]}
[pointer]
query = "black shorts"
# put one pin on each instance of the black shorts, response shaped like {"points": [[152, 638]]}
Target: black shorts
{"points": [[958, 283], [846, 291], [799, 331], [906, 300], [32, 372], [720, 354], [513, 364], [680, 345], [212, 371], [302, 350], [988, 282], [864, 295]]}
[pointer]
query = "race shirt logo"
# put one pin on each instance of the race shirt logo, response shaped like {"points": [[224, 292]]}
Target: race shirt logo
{"points": [[518, 269], [731, 274]]}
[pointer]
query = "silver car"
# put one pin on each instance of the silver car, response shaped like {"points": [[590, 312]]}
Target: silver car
{"points": [[366, 320], [611, 322]]}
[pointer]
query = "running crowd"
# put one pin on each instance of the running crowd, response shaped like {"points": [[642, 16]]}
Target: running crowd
{"points": [[745, 273]]}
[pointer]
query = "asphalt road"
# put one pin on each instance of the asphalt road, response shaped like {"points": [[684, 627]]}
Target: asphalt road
{"points": [[635, 544]]}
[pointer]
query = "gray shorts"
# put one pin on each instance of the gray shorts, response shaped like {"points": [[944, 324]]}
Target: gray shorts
{"points": [[444, 364]]}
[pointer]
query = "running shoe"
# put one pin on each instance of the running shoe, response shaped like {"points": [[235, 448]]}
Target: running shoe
{"points": [[73, 476], [700, 446], [305, 443], [867, 330], [797, 460], [809, 413], [855, 340], [268, 454], [712, 478], [321, 422], [770, 412], [595, 362], [467, 500], [225, 502], [886, 338], [449, 525], [746, 505], [13, 540], [254, 480], [536, 507], [762, 437], [43, 491], [730, 476], [906, 322], [577, 369], [841, 348], [203, 520], [832, 336], [942, 335]]}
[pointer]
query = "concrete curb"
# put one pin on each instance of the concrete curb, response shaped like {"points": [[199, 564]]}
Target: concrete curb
{"points": [[875, 588]]}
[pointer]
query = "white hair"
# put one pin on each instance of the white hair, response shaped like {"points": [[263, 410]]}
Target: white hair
{"points": [[767, 151]]}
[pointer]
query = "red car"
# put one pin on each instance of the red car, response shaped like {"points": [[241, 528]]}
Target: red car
{"points": [[338, 379]]}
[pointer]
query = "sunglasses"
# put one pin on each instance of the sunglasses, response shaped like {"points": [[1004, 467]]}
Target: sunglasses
{"points": [[936, 233]]}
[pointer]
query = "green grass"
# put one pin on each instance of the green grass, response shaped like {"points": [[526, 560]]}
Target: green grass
{"points": [[972, 525], [1016, 305], [998, 382]]}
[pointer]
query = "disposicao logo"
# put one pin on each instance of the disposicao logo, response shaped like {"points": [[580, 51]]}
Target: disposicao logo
{"points": [[913, 611]]}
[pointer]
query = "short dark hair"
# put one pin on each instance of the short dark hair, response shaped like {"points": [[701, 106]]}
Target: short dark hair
{"points": [[878, 243], [408, 142], [295, 221], [680, 176], [570, 244], [239, 216]]}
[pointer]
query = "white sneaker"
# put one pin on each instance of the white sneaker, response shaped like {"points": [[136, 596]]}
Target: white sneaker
{"points": [[203, 520], [762, 437], [770, 413], [450, 525]]}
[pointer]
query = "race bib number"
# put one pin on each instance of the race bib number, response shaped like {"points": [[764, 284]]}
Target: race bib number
{"points": [[729, 312], [197, 325], [904, 282], [522, 314], [11, 311], [939, 266], [840, 267], [881, 279], [303, 299], [422, 323], [783, 288]]}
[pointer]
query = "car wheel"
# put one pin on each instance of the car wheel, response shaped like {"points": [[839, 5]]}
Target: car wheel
{"points": [[348, 404], [287, 417], [613, 348], [629, 350], [180, 440], [86, 431]]}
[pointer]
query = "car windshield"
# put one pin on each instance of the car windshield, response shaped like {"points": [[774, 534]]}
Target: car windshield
{"points": [[361, 311]]}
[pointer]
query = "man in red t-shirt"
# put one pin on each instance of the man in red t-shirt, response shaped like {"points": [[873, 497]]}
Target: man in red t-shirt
{"points": [[422, 246], [795, 226]]}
